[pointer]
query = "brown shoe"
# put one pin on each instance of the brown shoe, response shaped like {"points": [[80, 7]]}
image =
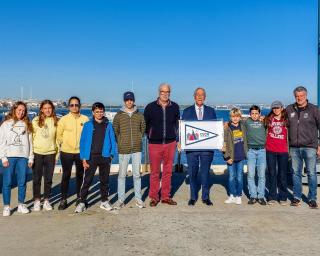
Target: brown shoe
{"points": [[153, 203], [168, 201]]}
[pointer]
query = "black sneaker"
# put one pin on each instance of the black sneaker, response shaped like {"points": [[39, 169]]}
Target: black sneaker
{"points": [[63, 205], [261, 201], [295, 202], [252, 201], [313, 204]]}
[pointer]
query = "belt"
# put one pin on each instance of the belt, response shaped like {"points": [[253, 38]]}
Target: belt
{"points": [[257, 148]]}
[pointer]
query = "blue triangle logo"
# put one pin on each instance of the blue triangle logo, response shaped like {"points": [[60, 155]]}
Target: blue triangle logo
{"points": [[195, 135]]}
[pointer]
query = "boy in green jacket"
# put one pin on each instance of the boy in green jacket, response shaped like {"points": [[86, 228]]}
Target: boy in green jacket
{"points": [[129, 127]]}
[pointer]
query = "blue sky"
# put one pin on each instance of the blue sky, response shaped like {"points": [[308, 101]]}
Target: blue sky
{"points": [[239, 50]]}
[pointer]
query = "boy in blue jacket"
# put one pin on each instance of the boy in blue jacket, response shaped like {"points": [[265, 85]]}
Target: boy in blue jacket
{"points": [[97, 148]]}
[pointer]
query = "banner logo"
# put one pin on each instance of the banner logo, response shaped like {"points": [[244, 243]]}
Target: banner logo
{"points": [[195, 135]]}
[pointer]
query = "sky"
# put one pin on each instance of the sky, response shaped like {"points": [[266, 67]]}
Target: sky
{"points": [[240, 51]]}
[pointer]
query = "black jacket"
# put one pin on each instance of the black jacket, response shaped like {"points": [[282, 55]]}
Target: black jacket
{"points": [[303, 126], [162, 124]]}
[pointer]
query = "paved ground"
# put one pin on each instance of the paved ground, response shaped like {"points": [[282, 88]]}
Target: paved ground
{"points": [[164, 230]]}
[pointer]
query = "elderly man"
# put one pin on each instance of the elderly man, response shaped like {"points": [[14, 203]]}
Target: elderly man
{"points": [[162, 121], [304, 124], [199, 111]]}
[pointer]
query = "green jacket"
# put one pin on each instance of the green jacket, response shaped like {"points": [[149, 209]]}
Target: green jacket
{"points": [[228, 145], [129, 131]]}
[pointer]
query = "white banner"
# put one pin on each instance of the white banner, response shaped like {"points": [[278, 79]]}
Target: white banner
{"points": [[201, 135]]}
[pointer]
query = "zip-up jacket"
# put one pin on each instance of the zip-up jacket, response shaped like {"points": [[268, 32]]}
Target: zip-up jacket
{"points": [[228, 145], [15, 141], [109, 143], [303, 125], [129, 129], [162, 123], [69, 131]]}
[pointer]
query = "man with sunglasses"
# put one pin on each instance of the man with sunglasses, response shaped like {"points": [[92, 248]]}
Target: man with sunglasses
{"points": [[68, 137], [162, 123]]}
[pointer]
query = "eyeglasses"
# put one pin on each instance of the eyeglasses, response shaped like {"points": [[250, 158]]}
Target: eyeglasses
{"points": [[165, 92], [74, 105]]}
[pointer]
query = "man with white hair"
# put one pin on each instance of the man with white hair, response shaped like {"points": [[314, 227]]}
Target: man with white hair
{"points": [[162, 122], [304, 124], [199, 111]]}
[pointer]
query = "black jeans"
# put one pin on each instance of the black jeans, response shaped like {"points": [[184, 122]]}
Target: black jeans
{"points": [[277, 176], [67, 160], [43, 166], [104, 170]]}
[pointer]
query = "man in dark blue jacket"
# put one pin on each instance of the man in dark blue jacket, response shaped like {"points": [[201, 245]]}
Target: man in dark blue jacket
{"points": [[162, 122], [199, 111], [97, 148]]}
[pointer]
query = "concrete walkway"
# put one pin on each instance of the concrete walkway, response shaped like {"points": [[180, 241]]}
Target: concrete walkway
{"points": [[164, 230]]}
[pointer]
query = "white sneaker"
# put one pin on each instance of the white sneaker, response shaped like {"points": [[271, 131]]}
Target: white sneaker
{"points": [[238, 200], [106, 206], [47, 206], [6, 211], [37, 206], [230, 200], [119, 204], [81, 207], [22, 208], [140, 203]]}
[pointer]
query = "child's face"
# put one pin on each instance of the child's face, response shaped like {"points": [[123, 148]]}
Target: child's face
{"points": [[277, 111], [235, 119], [255, 115]]}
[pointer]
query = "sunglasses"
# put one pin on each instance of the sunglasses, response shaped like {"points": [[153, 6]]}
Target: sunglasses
{"points": [[74, 105]]}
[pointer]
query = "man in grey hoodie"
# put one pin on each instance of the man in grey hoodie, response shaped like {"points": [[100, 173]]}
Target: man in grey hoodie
{"points": [[129, 127]]}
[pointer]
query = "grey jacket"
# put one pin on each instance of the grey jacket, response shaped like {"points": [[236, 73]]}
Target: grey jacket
{"points": [[303, 126]]}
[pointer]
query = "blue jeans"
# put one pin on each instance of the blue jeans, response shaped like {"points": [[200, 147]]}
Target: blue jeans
{"points": [[204, 158], [236, 178], [123, 166], [309, 156], [18, 166], [257, 160]]}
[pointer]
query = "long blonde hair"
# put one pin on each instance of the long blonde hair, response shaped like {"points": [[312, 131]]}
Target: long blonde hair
{"points": [[25, 118], [42, 116]]}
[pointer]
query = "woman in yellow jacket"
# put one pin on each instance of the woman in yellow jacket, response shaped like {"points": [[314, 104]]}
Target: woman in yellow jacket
{"points": [[45, 151], [68, 138]]}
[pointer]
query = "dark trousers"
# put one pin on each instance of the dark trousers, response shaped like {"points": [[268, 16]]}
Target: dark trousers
{"points": [[67, 160], [277, 174], [194, 158], [104, 170], [43, 166]]}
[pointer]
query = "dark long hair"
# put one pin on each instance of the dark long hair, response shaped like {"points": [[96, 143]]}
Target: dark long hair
{"points": [[270, 116], [25, 118], [42, 117]]}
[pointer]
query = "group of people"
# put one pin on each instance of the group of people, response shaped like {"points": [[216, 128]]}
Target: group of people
{"points": [[265, 143]]}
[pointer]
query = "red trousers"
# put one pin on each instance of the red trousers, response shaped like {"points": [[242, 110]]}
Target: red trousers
{"points": [[161, 153]]}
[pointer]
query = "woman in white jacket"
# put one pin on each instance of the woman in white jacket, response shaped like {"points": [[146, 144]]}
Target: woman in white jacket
{"points": [[16, 154]]}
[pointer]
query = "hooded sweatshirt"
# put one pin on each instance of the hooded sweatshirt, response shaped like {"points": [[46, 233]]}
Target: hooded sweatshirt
{"points": [[129, 128], [69, 131]]}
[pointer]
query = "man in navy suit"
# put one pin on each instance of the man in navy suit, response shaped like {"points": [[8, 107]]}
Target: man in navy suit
{"points": [[199, 111]]}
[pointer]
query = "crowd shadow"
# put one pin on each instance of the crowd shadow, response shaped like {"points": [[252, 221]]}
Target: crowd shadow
{"points": [[178, 179]]}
